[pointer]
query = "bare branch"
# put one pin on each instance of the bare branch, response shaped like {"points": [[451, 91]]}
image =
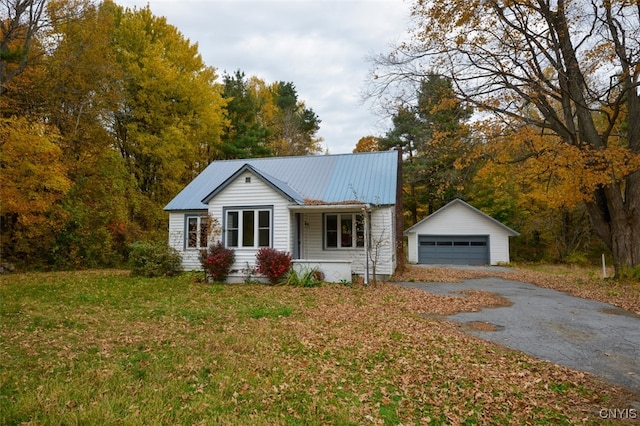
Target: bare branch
{"points": [[24, 20]]}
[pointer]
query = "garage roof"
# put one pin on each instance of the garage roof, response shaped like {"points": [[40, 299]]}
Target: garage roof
{"points": [[475, 210]]}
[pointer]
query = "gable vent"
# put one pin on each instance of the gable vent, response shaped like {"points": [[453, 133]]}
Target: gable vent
{"points": [[247, 179]]}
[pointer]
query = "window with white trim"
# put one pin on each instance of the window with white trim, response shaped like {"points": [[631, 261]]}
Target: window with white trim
{"points": [[197, 232], [248, 228], [343, 230]]}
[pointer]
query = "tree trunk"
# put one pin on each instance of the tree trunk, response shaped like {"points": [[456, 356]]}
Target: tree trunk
{"points": [[615, 215]]}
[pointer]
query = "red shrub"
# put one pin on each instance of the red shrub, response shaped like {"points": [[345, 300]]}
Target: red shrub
{"points": [[217, 261], [272, 263]]}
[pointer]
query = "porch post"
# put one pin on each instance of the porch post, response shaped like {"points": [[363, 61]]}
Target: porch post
{"points": [[365, 213]]}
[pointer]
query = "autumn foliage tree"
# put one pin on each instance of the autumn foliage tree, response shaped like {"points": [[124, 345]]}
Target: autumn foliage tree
{"points": [[267, 119], [433, 135], [537, 191], [566, 71], [368, 144], [172, 111], [33, 183], [296, 124], [106, 113], [21, 21]]}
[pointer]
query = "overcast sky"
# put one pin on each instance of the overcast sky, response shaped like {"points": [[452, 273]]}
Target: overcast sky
{"points": [[321, 46]]}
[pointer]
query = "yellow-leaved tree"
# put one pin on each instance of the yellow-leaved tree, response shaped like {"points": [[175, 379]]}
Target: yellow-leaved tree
{"points": [[172, 112], [32, 184], [368, 144], [117, 102]]}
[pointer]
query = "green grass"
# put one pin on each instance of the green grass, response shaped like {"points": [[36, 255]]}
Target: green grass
{"points": [[101, 347]]}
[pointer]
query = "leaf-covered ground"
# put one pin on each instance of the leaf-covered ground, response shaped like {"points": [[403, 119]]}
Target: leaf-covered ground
{"points": [[103, 348], [578, 282]]}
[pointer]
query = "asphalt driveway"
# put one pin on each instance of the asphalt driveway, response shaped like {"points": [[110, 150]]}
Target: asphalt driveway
{"points": [[582, 334]]}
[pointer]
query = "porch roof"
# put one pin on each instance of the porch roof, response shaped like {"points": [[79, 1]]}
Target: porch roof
{"points": [[325, 207]]}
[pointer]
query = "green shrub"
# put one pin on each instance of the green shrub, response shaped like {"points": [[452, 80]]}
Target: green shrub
{"points": [[630, 273], [154, 259], [272, 263], [217, 261], [306, 278], [578, 258]]}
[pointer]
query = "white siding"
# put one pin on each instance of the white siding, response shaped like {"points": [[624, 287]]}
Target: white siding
{"points": [[460, 220], [412, 247], [499, 242], [256, 193], [177, 225], [239, 193], [382, 227], [382, 240]]}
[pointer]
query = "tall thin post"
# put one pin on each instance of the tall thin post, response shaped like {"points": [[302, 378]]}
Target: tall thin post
{"points": [[367, 249], [399, 216]]}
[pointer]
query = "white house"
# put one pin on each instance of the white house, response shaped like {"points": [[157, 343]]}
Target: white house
{"points": [[333, 212], [458, 233]]}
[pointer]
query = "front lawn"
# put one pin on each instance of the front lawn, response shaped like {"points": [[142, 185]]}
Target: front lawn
{"points": [[100, 347]]}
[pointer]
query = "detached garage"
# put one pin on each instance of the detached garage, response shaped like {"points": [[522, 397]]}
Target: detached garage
{"points": [[459, 234]]}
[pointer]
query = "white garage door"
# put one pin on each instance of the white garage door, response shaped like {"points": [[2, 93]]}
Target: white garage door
{"points": [[453, 249]]}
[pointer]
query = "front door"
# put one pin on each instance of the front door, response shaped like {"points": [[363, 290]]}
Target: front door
{"points": [[298, 228]]}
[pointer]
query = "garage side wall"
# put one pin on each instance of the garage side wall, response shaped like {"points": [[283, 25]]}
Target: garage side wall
{"points": [[412, 247], [499, 248], [461, 220]]}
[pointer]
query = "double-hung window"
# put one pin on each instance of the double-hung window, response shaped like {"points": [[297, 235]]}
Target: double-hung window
{"points": [[248, 227], [197, 232], [343, 230]]}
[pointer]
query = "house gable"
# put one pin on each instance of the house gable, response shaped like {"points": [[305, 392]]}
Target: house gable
{"points": [[281, 187], [250, 191]]}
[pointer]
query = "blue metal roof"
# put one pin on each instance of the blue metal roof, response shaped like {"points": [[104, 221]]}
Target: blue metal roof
{"points": [[364, 177]]}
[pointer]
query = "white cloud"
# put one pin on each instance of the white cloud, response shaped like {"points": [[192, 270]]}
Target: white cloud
{"points": [[319, 45]]}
